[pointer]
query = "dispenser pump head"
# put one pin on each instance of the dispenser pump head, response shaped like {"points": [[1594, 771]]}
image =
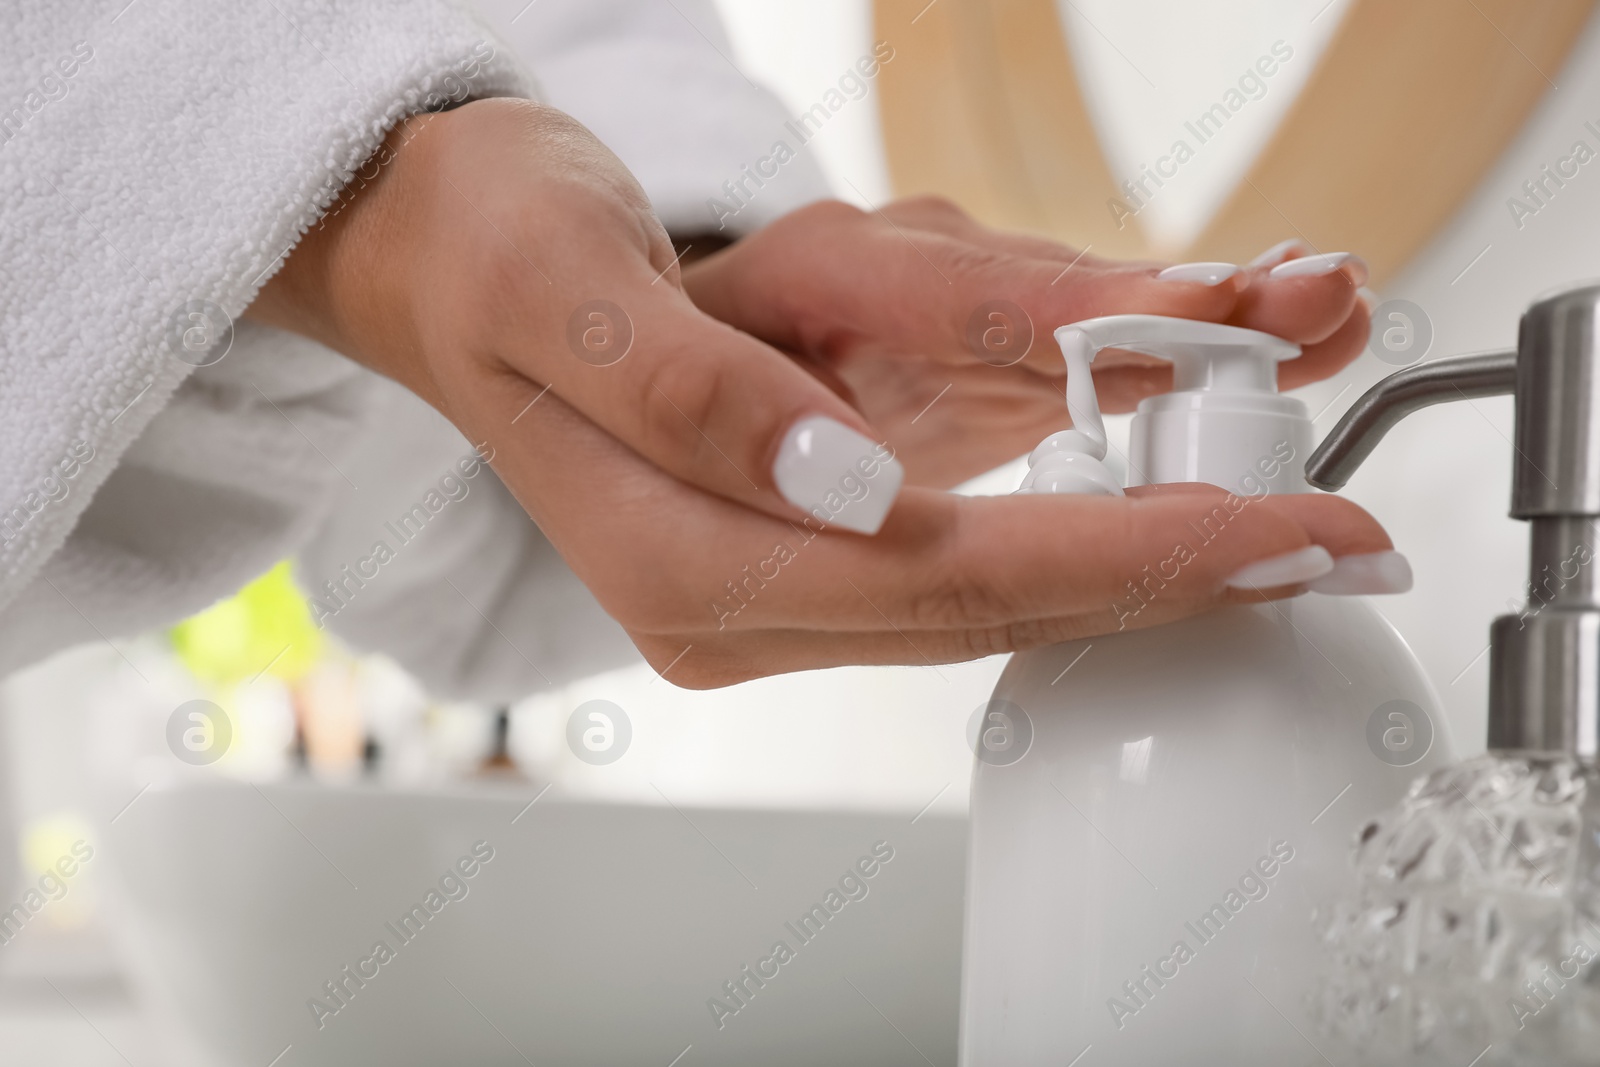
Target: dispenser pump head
{"points": [[1206, 356], [1223, 423]]}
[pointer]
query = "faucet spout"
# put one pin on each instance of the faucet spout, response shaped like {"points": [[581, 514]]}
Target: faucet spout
{"points": [[1361, 428]]}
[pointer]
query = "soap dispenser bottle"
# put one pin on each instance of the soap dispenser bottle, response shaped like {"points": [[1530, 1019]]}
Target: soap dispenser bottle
{"points": [[1157, 813]]}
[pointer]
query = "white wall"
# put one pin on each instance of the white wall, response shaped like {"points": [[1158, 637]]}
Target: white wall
{"points": [[799, 48]]}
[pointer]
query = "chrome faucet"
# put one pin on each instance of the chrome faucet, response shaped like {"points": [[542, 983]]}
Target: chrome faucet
{"points": [[1544, 664]]}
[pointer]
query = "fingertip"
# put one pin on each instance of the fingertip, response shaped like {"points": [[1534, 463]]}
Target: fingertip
{"points": [[1351, 266], [1292, 568], [1340, 525], [1278, 253], [1171, 489], [1208, 291], [836, 474], [1203, 273], [1367, 574], [1327, 357], [1305, 309]]}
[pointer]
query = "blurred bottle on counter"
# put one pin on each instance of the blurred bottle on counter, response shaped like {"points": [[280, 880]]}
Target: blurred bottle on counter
{"points": [[298, 701]]}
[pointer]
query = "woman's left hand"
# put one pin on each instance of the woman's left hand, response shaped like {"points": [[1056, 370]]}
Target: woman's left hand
{"points": [[939, 329]]}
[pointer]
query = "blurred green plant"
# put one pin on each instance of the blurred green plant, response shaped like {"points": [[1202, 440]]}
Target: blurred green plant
{"points": [[264, 628]]}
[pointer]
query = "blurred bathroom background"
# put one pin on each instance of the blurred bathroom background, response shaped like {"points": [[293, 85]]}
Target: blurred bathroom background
{"points": [[92, 723]]}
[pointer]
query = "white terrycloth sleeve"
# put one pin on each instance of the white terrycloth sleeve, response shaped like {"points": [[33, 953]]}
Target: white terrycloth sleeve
{"points": [[156, 156], [464, 590]]}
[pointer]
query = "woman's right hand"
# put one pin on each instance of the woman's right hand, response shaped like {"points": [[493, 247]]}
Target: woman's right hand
{"points": [[463, 271]]}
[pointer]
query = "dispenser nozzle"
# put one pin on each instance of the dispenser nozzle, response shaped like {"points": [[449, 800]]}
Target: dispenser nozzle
{"points": [[1361, 428], [1078, 351], [1543, 661], [1072, 461]]}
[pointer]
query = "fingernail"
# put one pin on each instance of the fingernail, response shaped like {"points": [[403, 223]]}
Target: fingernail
{"points": [[1368, 298], [1278, 253], [1292, 568], [822, 466], [1205, 273], [1369, 573], [1326, 263]]}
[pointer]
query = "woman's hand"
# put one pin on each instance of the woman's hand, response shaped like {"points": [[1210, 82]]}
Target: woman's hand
{"points": [[924, 316], [502, 250], [656, 445], [713, 592]]}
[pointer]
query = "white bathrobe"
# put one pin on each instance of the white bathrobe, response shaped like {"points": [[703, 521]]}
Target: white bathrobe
{"points": [[158, 159]]}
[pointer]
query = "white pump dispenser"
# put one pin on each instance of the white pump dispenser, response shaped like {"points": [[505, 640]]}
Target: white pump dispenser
{"points": [[1142, 879], [1223, 415]]}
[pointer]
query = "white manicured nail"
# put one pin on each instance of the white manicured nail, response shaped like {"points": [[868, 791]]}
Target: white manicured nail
{"points": [[1292, 568], [1368, 573], [1326, 263], [1278, 252], [1206, 273], [1368, 298], [840, 477]]}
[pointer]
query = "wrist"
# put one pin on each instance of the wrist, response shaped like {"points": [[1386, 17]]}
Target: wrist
{"points": [[346, 283]]}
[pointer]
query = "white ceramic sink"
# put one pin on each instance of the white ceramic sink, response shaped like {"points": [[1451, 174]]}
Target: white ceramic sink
{"points": [[596, 934]]}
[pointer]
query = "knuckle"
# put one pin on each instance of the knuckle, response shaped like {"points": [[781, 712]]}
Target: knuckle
{"points": [[972, 259], [933, 204], [950, 597], [1027, 634], [502, 278], [829, 211], [681, 395], [981, 641], [1036, 633], [546, 121], [822, 216], [955, 589]]}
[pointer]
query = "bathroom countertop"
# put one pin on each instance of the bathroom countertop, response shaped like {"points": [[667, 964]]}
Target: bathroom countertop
{"points": [[63, 1000], [589, 913]]}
